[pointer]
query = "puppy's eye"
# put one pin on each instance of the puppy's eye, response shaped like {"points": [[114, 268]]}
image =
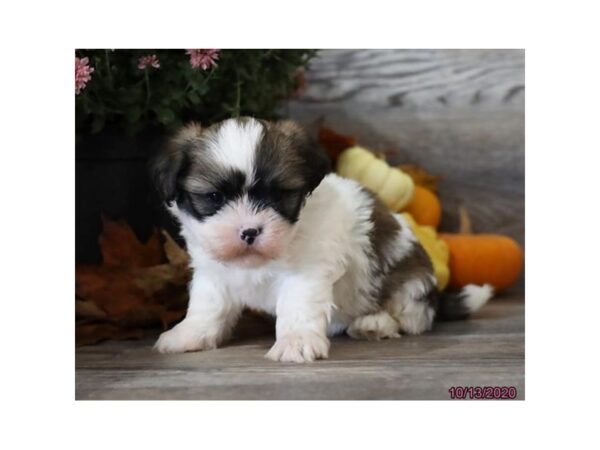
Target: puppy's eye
{"points": [[216, 199]]}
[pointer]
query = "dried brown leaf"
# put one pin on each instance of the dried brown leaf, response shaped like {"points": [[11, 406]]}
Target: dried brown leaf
{"points": [[144, 316], [112, 289], [87, 334], [87, 309], [420, 176], [138, 286], [120, 246], [154, 279], [334, 143], [175, 254], [169, 318]]}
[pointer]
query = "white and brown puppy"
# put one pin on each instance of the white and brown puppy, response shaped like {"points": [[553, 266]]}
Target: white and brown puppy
{"points": [[267, 227]]}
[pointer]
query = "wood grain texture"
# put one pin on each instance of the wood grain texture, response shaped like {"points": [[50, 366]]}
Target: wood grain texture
{"points": [[486, 350], [417, 79], [457, 113]]}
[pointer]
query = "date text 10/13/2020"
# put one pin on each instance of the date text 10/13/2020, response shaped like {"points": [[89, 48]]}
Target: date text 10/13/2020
{"points": [[483, 392]]}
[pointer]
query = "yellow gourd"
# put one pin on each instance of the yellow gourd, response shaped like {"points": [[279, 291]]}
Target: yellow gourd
{"points": [[436, 248], [396, 190], [392, 185]]}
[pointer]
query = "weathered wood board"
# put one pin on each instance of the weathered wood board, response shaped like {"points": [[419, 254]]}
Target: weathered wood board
{"points": [[487, 350], [457, 113]]}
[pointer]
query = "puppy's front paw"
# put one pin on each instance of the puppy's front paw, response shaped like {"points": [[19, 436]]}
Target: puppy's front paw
{"points": [[185, 338], [299, 347]]}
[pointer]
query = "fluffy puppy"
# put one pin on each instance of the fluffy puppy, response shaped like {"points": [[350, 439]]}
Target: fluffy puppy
{"points": [[268, 227]]}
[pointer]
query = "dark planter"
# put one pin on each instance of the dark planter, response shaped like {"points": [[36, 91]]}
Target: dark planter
{"points": [[111, 178]]}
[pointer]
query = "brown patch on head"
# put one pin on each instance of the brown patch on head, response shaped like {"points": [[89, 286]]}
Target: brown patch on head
{"points": [[290, 128], [200, 173], [187, 133], [288, 156], [289, 165], [185, 171], [166, 165]]}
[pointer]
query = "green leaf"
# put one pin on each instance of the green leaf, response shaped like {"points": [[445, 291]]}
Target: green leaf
{"points": [[202, 89], [133, 114], [165, 115], [193, 97], [179, 93], [98, 123]]}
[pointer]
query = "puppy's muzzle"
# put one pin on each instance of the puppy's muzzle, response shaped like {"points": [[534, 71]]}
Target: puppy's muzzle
{"points": [[249, 235]]}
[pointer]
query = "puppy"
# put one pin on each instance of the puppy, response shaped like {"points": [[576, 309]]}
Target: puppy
{"points": [[268, 227]]}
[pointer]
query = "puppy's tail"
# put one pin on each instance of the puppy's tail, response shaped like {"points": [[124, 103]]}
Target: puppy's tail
{"points": [[455, 306]]}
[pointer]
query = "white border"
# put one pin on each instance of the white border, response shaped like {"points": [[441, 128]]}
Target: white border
{"points": [[38, 223]]}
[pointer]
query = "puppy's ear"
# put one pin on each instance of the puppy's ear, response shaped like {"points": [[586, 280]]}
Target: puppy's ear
{"points": [[168, 165], [319, 164], [316, 161]]}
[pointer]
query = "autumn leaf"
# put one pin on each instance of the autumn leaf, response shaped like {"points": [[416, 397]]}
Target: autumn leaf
{"points": [[86, 309], [112, 289], [175, 254], [138, 286], [334, 143], [93, 333], [420, 176], [120, 246], [168, 318]]}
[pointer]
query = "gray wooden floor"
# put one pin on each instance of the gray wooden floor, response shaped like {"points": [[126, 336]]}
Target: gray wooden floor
{"points": [[487, 350]]}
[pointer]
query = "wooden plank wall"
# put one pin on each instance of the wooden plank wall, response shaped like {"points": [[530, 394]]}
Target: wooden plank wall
{"points": [[457, 113]]}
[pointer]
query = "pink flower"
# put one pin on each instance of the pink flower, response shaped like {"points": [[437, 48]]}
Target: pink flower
{"points": [[147, 61], [203, 58], [83, 73]]}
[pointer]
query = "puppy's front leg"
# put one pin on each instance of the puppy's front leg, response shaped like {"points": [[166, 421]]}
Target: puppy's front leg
{"points": [[210, 318], [303, 311]]}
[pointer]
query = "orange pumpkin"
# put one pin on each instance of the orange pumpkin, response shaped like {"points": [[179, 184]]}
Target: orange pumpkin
{"points": [[425, 207], [483, 259]]}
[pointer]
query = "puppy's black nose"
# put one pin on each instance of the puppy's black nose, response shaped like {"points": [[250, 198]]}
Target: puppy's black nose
{"points": [[249, 234]]}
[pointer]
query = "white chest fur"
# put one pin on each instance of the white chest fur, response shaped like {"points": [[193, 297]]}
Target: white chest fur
{"points": [[330, 244]]}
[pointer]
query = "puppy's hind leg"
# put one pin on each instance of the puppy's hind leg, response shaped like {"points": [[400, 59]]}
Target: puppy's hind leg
{"points": [[373, 327], [413, 306]]}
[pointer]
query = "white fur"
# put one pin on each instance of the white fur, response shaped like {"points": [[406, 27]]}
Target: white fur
{"points": [[318, 276], [235, 144], [412, 313], [477, 296], [374, 327], [218, 237], [211, 315], [403, 243], [315, 285]]}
